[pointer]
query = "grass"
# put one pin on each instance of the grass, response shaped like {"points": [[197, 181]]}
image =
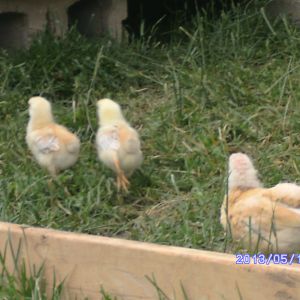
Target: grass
{"points": [[24, 282], [219, 86]]}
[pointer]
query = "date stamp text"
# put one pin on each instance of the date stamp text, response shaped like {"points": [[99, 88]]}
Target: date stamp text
{"points": [[262, 259]]}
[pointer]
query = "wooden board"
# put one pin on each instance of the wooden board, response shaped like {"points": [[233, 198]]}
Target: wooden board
{"points": [[88, 262]]}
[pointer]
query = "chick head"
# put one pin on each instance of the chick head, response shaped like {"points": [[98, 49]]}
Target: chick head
{"points": [[109, 112], [40, 108], [242, 173], [38, 104], [239, 160]]}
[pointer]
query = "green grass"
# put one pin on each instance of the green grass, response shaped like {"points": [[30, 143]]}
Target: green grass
{"points": [[24, 282], [220, 86]]}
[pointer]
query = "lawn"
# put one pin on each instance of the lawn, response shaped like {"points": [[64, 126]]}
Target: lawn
{"points": [[219, 85]]}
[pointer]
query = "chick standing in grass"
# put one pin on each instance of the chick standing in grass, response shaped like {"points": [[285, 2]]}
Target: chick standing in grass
{"points": [[53, 146], [263, 219], [118, 144]]}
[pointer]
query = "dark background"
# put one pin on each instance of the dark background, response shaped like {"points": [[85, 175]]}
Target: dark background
{"points": [[164, 15]]}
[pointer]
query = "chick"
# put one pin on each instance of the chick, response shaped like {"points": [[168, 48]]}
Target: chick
{"points": [[263, 219], [117, 143], [53, 146]]}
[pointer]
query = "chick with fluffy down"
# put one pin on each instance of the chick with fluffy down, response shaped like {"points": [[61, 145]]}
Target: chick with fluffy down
{"points": [[53, 146], [118, 144], [263, 219]]}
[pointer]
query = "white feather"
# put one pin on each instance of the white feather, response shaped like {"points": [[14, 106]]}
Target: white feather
{"points": [[108, 141], [47, 144]]}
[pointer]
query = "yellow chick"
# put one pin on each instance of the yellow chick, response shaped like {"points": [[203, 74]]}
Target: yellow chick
{"points": [[53, 146], [262, 219], [117, 143]]}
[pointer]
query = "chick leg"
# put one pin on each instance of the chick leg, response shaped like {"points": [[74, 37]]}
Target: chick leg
{"points": [[53, 172], [122, 181]]}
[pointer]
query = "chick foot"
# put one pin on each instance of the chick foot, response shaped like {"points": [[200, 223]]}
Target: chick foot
{"points": [[122, 182]]}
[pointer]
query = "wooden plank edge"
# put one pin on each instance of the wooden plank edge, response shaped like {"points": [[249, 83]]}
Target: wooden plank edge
{"points": [[125, 268]]}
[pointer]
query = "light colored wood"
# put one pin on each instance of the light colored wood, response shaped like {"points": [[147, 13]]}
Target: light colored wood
{"points": [[88, 262]]}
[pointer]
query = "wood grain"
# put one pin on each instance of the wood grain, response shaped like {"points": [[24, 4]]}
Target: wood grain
{"points": [[88, 262]]}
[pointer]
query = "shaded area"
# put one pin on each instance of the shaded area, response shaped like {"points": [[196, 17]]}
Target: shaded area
{"points": [[162, 16], [13, 30], [157, 17], [88, 16]]}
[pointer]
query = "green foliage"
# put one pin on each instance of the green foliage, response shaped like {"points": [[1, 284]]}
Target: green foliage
{"points": [[222, 85], [24, 282]]}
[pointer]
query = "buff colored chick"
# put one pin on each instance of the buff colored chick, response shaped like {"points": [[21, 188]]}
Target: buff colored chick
{"points": [[263, 219], [117, 143], [53, 146]]}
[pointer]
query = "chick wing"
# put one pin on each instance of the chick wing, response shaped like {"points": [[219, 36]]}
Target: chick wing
{"points": [[108, 139], [47, 144]]}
